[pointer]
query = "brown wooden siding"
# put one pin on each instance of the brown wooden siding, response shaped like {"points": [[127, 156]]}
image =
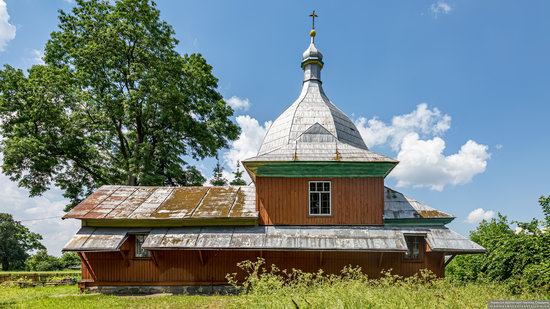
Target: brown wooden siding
{"points": [[354, 201], [184, 267]]}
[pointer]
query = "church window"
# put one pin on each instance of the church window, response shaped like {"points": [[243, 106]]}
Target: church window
{"points": [[319, 198]]}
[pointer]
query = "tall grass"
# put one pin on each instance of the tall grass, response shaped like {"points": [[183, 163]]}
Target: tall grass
{"points": [[270, 287]]}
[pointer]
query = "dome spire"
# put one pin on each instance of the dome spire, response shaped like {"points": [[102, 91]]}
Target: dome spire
{"points": [[312, 33], [312, 59]]}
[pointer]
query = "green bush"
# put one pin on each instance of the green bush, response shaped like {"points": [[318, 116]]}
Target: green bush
{"points": [[519, 258]]}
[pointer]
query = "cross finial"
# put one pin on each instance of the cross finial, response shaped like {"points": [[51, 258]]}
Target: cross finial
{"points": [[313, 15]]}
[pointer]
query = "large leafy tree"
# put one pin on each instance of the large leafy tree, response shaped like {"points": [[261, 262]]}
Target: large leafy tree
{"points": [[115, 103], [15, 243]]}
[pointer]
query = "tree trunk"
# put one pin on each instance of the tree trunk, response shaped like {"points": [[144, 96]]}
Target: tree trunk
{"points": [[5, 264], [132, 180]]}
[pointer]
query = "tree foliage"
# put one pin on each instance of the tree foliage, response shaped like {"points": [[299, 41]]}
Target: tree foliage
{"points": [[217, 178], [115, 103], [238, 177], [519, 257], [16, 241], [70, 260], [42, 261]]}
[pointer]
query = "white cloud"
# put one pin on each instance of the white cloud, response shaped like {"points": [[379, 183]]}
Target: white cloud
{"points": [[248, 143], [238, 104], [440, 7], [423, 164], [7, 30], [479, 214], [416, 138], [16, 201], [424, 121], [37, 57], [499, 146]]}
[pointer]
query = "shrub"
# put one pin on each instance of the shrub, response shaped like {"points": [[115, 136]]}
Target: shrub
{"points": [[519, 258]]}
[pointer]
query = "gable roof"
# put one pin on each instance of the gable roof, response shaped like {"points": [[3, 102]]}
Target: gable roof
{"points": [[184, 204]]}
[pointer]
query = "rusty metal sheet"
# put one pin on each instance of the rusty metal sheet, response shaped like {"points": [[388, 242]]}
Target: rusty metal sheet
{"points": [[110, 203], [91, 202], [124, 209], [145, 210], [125, 202], [399, 206], [181, 203], [216, 202]]}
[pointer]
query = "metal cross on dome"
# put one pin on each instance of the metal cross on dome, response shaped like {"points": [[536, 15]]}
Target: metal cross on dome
{"points": [[313, 15]]}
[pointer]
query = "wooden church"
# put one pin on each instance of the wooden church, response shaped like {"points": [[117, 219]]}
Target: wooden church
{"points": [[317, 201]]}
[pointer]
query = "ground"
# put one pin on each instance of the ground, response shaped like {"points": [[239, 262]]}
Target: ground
{"points": [[444, 295]]}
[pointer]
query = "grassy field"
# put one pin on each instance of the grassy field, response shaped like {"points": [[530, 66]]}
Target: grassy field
{"points": [[22, 273], [441, 294]]}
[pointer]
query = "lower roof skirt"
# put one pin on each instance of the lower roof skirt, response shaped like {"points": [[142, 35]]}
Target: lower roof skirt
{"points": [[275, 238]]}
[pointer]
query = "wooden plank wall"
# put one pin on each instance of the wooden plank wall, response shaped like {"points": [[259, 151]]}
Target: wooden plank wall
{"points": [[184, 267], [354, 201]]}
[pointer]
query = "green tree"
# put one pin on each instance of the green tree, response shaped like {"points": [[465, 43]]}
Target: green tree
{"points": [[15, 243], [70, 260], [520, 258], [238, 177], [115, 103], [217, 178], [42, 261]]}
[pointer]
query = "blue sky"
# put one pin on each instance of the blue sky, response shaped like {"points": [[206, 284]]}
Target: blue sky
{"points": [[481, 67]]}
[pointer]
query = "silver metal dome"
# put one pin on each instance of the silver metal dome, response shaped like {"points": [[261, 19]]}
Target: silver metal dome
{"points": [[312, 107]]}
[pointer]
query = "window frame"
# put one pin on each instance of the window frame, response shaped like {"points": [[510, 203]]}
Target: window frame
{"points": [[319, 192], [421, 248], [148, 256]]}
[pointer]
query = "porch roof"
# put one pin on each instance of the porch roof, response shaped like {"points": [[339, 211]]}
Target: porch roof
{"points": [[302, 238], [89, 239]]}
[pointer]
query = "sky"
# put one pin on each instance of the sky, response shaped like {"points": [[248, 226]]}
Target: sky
{"points": [[457, 91]]}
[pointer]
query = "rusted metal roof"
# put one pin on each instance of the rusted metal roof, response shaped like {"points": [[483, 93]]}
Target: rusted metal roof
{"points": [[354, 238], [89, 239], [125, 202], [399, 206]]}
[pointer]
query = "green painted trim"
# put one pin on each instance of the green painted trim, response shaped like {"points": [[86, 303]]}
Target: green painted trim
{"points": [[291, 169], [170, 222], [418, 221]]}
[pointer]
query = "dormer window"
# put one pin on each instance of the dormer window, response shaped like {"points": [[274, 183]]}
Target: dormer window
{"points": [[319, 198]]}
